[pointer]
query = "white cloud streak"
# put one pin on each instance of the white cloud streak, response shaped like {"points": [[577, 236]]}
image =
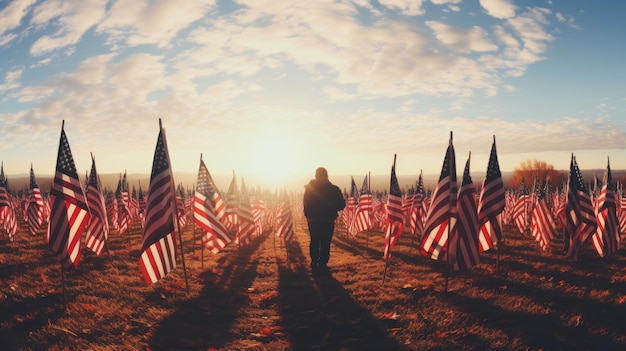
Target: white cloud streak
{"points": [[71, 20], [501, 9]]}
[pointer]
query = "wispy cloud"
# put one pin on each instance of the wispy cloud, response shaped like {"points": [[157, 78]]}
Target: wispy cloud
{"points": [[501, 9], [138, 22], [69, 19]]}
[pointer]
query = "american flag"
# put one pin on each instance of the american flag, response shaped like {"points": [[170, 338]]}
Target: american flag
{"points": [[209, 211], [284, 219], [622, 212], [245, 218], [606, 239], [141, 205], [35, 205], [395, 224], [98, 227], [363, 217], [4, 189], [491, 203], [349, 212], [7, 211], [418, 209], [542, 226], [181, 209], [580, 218], [232, 205], [407, 206], [69, 213], [520, 208], [464, 252], [123, 214], [258, 211], [442, 209], [158, 246], [112, 210]]}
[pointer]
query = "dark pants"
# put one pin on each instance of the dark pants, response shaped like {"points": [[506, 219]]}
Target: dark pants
{"points": [[321, 236]]}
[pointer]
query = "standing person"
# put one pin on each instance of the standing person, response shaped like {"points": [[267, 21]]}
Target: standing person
{"points": [[322, 200]]}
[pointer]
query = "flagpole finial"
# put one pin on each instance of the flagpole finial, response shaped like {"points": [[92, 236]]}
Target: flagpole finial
{"points": [[160, 124], [62, 124], [201, 156], [450, 135]]}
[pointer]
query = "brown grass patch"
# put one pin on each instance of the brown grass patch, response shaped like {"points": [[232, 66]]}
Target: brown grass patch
{"points": [[263, 297]]}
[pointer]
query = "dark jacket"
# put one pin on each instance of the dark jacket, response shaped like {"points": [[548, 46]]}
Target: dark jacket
{"points": [[322, 200]]}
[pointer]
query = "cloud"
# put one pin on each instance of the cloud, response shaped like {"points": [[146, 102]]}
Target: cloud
{"points": [[474, 39], [11, 16], [501, 9], [137, 22], [42, 62], [530, 28], [568, 20], [11, 80], [70, 19], [406, 7]]}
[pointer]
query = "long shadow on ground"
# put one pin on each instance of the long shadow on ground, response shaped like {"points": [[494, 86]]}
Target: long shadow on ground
{"points": [[597, 329], [319, 314], [204, 321]]}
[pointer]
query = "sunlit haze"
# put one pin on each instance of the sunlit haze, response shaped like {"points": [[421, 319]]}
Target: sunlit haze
{"points": [[270, 90]]}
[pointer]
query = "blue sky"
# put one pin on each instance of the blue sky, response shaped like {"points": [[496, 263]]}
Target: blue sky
{"points": [[273, 89]]}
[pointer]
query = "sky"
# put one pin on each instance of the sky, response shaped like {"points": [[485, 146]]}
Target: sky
{"points": [[271, 90]]}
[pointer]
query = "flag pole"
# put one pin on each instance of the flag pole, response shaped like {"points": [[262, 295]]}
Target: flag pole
{"points": [[388, 240], [194, 223], [193, 247], [173, 205], [369, 189], [62, 271], [447, 272]]}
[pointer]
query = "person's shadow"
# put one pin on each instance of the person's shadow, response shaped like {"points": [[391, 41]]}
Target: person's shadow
{"points": [[319, 314]]}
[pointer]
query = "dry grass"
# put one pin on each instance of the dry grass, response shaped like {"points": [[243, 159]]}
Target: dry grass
{"points": [[263, 297]]}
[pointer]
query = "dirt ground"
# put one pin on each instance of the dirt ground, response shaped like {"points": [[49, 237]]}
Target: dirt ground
{"points": [[263, 297]]}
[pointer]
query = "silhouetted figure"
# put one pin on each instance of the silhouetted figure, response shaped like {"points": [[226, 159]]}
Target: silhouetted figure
{"points": [[322, 201]]}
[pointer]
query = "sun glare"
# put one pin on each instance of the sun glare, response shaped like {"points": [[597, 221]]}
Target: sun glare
{"points": [[274, 159]]}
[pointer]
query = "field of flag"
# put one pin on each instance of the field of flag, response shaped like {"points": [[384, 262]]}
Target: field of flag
{"points": [[461, 267]]}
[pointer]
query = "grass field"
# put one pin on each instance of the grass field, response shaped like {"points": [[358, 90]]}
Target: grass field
{"points": [[263, 297]]}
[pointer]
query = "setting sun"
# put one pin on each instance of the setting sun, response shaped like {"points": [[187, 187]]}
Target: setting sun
{"points": [[275, 159]]}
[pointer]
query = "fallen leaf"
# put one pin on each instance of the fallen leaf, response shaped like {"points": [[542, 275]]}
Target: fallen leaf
{"points": [[440, 334], [265, 332], [391, 316]]}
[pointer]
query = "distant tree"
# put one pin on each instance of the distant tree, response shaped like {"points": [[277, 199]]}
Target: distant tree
{"points": [[529, 170]]}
